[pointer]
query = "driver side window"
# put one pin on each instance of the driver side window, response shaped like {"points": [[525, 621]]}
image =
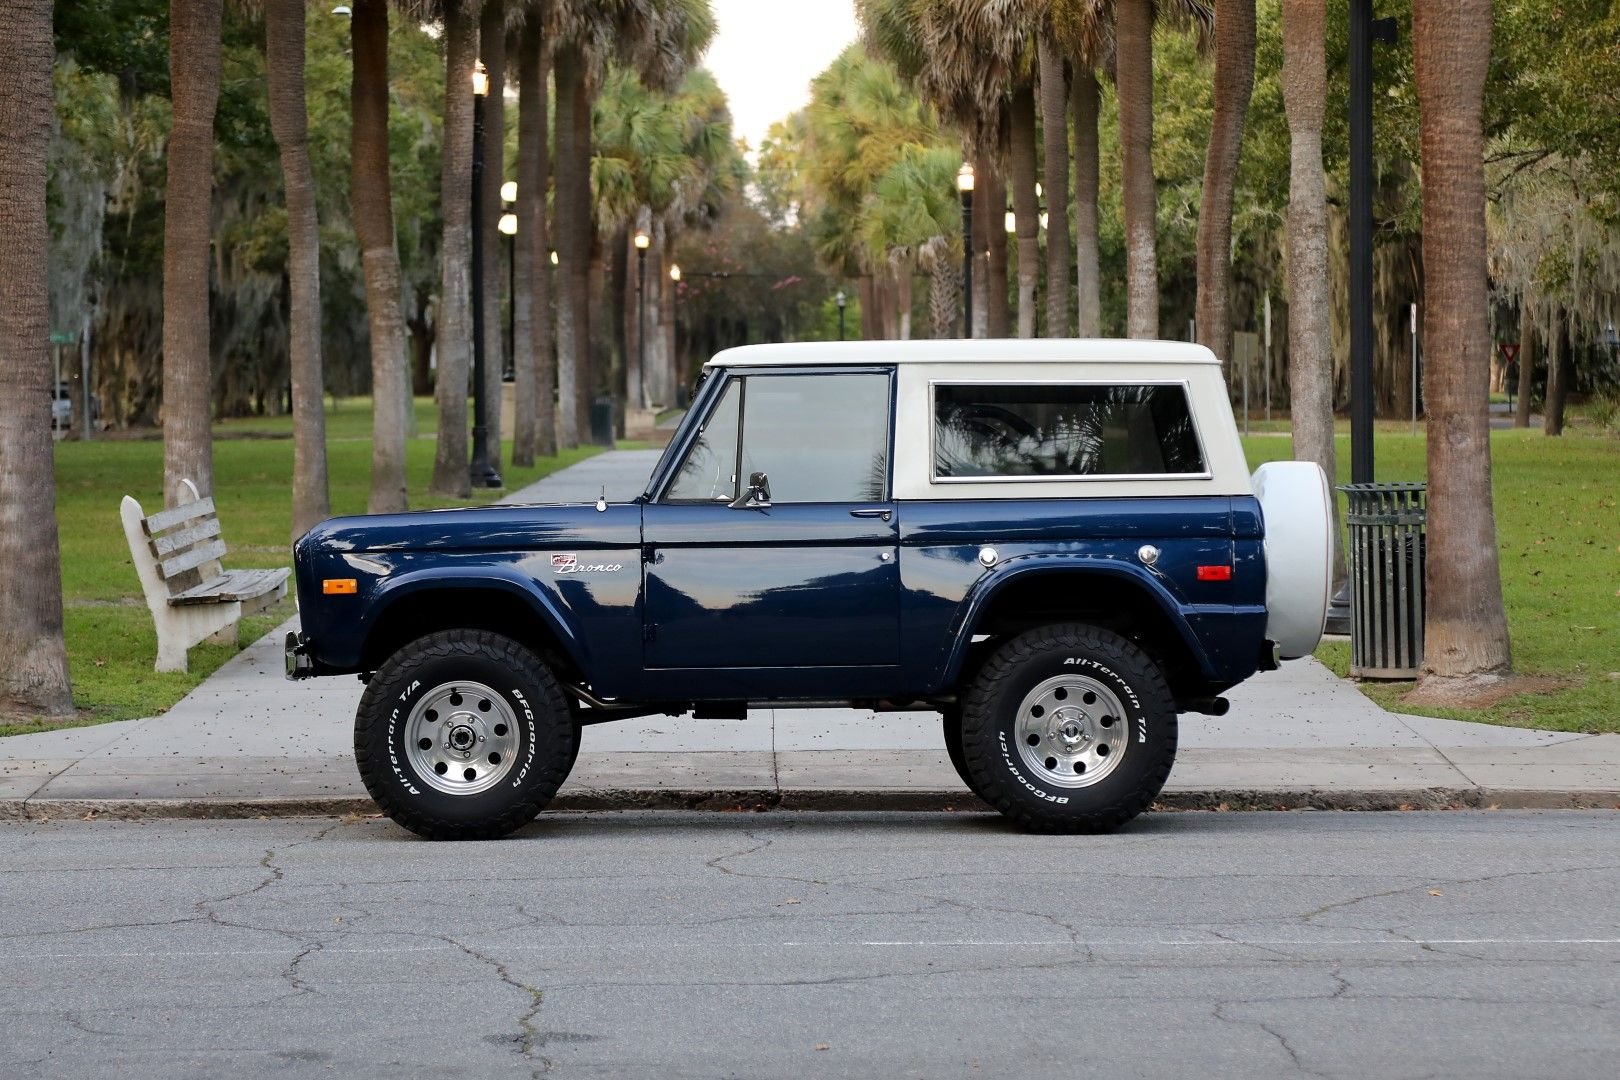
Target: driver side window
{"points": [[821, 437]]}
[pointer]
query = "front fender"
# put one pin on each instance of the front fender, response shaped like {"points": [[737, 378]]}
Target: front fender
{"points": [[1022, 568], [395, 590]]}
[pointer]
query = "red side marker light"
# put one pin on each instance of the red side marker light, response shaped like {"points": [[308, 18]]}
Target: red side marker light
{"points": [[1214, 573]]}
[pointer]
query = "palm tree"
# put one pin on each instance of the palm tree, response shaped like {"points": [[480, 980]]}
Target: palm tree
{"points": [[1465, 627], [1026, 209], [492, 51], [1234, 82], [194, 66], [289, 120], [1055, 134], [1086, 105], [1310, 343], [1133, 26], [33, 659], [660, 39], [371, 202], [450, 473], [535, 423]]}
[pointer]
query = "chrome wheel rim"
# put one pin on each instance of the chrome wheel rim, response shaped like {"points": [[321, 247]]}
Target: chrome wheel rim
{"points": [[461, 738], [1071, 731]]}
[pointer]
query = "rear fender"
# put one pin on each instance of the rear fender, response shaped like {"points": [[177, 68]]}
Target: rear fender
{"points": [[1021, 569]]}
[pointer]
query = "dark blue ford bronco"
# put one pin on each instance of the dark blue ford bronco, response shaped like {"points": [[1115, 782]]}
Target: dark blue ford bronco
{"points": [[1057, 545]]}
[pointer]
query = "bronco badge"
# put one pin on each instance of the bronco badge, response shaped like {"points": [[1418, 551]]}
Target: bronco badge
{"points": [[570, 564]]}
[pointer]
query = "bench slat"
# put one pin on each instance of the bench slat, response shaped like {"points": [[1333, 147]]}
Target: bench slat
{"points": [[168, 519], [206, 552], [170, 543], [234, 585]]}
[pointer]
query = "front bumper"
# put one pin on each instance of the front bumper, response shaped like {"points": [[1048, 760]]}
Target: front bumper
{"points": [[300, 665]]}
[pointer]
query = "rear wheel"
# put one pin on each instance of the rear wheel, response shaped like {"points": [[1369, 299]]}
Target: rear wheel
{"points": [[464, 735], [1069, 728]]}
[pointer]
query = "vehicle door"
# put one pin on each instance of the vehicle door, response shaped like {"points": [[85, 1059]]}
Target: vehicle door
{"points": [[799, 574]]}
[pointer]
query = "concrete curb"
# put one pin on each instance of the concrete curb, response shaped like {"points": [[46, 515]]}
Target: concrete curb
{"points": [[828, 800]]}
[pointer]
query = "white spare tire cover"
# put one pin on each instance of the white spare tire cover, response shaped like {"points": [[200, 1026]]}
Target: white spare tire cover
{"points": [[1298, 520]]}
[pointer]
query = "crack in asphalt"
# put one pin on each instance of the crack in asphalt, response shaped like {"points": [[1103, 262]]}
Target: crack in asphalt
{"points": [[530, 1039]]}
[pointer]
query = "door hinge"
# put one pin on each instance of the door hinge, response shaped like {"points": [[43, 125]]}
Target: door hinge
{"points": [[649, 631]]}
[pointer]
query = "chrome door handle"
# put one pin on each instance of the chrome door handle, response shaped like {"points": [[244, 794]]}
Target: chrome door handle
{"points": [[872, 512]]}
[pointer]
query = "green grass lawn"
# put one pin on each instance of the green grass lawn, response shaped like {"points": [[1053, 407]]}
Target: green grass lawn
{"points": [[110, 640], [1558, 521]]}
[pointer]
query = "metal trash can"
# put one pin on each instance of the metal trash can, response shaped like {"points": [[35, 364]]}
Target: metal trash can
{"points": [[1387, 557], [602, 421]]}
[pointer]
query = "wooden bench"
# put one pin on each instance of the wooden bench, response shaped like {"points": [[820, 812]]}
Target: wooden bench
{"points": [[192, 598]]}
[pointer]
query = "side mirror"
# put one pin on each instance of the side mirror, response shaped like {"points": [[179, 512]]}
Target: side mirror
{"points": [[758, 495]]}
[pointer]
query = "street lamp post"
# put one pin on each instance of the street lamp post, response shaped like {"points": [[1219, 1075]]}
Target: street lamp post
{"points": [[643, 241], [508, 226], [964, 185], [841, 299], [674, 352], [481, 470]]}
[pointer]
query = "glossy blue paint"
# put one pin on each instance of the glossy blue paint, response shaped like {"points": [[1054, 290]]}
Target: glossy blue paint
{"points": [[669, 603]]}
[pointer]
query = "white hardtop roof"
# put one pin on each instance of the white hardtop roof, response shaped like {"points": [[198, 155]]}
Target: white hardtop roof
{"points": [[966, 351]]}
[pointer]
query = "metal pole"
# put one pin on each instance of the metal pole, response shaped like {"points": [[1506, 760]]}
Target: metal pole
{"points": [[1414, 369], [641, 326], [1268, 357], [1364, 29], [480, 471], [1247, 361], [967, 270], [510, 370]]}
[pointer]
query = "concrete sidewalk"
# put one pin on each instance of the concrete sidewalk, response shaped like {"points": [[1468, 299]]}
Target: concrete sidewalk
{"points": [[248, 742]]}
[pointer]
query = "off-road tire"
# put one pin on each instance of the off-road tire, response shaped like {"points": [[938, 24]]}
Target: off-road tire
{"points": [[547, 738], [990, 711], [951, 723]]}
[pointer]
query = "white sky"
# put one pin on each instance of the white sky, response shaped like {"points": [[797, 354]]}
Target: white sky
{"points": [[765, 52]]}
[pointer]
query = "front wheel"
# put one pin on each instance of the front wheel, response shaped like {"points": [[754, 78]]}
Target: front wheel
{"points": [[1069, 728], [464, 735]]}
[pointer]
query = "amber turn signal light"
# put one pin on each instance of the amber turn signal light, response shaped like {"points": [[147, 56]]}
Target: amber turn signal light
{"points": [[343, 586]]}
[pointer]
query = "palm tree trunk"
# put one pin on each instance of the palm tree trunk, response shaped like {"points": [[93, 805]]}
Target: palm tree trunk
{"points": [[1465, 627], [289, 120], [1086, 106], [866, 291], [371, 203], [1310, 342], [33, 659], [454, 332], [535, 367], [1026, 211], [492, 51], [1527, 361], [1133, 28], [944, 295], [1234, 82], [194, 65], [1552, 420], [573, 242], [997, 307], [902, 299], [1055, 133]]}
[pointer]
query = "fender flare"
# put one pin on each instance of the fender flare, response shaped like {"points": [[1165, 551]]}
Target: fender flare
{"points": [[545, 607], [1021, 567]]}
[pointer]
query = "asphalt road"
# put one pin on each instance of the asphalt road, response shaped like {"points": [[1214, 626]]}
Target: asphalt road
{"points": [[787, 945]]}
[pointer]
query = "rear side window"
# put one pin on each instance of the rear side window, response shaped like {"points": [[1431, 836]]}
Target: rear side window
{"points": [[994, 431]]}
